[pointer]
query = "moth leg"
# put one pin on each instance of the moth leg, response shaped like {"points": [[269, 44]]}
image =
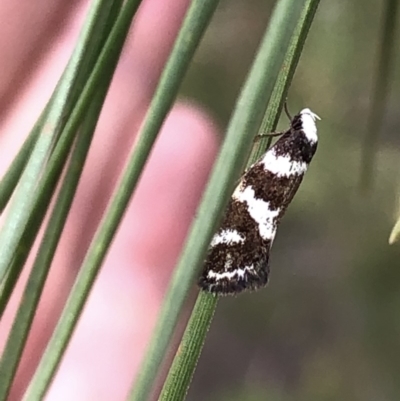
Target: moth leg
{"points": [[268, 135]]}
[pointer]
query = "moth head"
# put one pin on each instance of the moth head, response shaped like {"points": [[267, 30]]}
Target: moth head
{"points": [[309, 113], [308, 118]]}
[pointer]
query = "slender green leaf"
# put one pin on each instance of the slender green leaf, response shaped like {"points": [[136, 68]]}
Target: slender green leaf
{"points": [[245, 121], [167, 89], [47, 184], [53, 122], [285, 77], [387, 51], [22, 323], [13, 174], [185, 361], [97, 24], [395, 234], [38, 275], [20, 328]]}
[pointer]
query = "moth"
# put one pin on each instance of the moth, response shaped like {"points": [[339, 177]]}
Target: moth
{"points": [[238, 256]]}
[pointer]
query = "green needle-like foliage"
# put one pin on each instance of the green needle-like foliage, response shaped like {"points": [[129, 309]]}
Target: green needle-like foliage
{"points": [[23, 320], [60, 141], [185, 361], [50, 126], [380, 92], [165, 94], [101, 75], [92, 39]]}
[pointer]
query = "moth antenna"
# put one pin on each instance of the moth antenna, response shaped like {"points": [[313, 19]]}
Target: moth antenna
{"points": [[285, 106]]}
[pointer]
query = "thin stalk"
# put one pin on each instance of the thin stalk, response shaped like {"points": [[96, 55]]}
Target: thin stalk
{"points": [[387, 51], [395, 234], [14, 172], [235, 150], [285, 77], [23, 201], [30, 299], [165, 94], [185, 361], [182, 369], [11, 178], [42, 197], [107, 61]]}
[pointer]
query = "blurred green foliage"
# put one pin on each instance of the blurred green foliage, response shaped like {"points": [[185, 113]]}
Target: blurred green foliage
{"points": [[328, 325]]}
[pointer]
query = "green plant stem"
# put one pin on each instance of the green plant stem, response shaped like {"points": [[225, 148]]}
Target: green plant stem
{"points": [[185, 361], [165, 94], [13, 174], [387, 51], [30, 299], [42, 197], [21, 325], [97, 24], [106, 63], [234, 152], [395, 234], [285, 77], [53, 121]]}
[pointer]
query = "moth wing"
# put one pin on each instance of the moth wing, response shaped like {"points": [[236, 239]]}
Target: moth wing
{"points": [[237, 259]]}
